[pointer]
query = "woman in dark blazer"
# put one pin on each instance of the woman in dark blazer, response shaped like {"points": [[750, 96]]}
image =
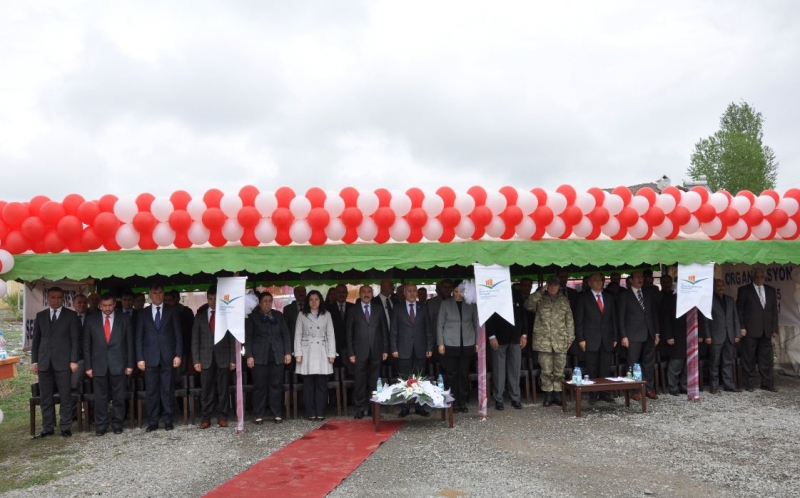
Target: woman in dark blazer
{"points": [[267, 349], [456, 335]]}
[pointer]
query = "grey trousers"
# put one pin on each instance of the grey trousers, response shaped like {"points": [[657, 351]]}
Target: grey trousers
{"points": [[676, 375], [506, 361], [723, 353]]}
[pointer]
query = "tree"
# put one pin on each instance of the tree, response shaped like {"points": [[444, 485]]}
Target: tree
{"points": [[734, 158]]}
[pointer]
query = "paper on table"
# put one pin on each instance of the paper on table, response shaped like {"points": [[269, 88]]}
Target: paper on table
{"points": [[620, 379], [583, 382]]}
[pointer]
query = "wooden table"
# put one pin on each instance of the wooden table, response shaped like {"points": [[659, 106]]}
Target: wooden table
{"points": [[376, 414], [602, 384], [8, 367]]}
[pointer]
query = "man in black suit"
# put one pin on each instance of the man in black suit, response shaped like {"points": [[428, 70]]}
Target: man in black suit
{"points": [[54, 356], [338, 311], [108, 354], [159, 347], [725, 334], [674, 333], [214, 362], [292, 310], [596, 330], [411, 340], [385, 298], [505, 351], [128, 309], [367, 341], [80, 305], [757, 305], [637, 313]]}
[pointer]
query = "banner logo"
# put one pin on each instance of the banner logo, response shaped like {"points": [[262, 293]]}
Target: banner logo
{"points": [[693, 280], [490, 284], [227, 299]]}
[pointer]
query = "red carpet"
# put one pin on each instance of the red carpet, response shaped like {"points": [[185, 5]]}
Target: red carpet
{"points": [[314, 464]]}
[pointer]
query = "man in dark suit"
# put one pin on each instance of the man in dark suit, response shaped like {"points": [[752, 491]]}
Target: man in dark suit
{"points": [[128, 309], [725, 333], [385, 298], [757, 305], [596, 330], [292, 310], [338, 311], [367, 341], [214, 362], [173, 298], [674, 333], [159, 347], [638, 328], [80, 305], [505, 351], [411, 340], [108, 354], [54, 356]]}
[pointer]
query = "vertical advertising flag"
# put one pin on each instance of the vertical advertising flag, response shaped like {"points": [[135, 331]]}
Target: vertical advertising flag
{"points": [[695, 288], [230, 309], [493, 289]]}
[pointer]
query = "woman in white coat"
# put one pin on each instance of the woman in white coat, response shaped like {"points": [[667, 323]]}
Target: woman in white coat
{"points": [[315, 351]]}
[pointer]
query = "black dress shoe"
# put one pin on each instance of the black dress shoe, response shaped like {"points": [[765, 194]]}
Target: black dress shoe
{"points": [[517, 405], [404, 411], [770, 389], [498, 405], [749, 389], [420, 410], [117, 430], [46, 433], [100, 432], [464, 409], [151, 428], [66, 433], [359, 415], [168, 426]]}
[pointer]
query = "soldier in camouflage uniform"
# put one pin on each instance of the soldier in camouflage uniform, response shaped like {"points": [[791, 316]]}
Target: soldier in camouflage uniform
{"points": [[553, 333]]}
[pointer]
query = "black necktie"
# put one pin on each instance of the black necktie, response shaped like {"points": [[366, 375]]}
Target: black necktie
{"points": [[158, 317], [53, 318]]}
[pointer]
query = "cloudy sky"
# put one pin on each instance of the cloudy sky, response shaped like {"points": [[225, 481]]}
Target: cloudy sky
{"points": [[131, 97]]}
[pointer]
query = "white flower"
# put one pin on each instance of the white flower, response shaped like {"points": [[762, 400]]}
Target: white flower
{"points": [[409, 391]]}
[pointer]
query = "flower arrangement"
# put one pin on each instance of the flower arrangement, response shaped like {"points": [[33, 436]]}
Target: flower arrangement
{"points": [[420, 390]]}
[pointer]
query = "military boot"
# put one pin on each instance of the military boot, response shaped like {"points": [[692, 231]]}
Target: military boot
{"points": [[548, 399], [557, 399]]}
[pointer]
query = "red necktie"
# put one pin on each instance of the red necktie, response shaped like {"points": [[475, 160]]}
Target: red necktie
{"points": [[107, 329], [599, 302], [212, 322]]}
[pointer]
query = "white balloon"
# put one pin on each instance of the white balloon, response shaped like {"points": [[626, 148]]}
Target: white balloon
{"points": [[712, 228], [741, 204], [433, 205], [432, 230], [527, 202], [526, 228], [788, 231], [367, 230], [738, 229], [585, 202], [691, 200], [611, 227], [639, 204], [465, 228], [127, 237], [400, 203], [584, 227], [400, 230], [719, 201], [762, 230], [161, 208], [464, 203], [613, 204], [300, 207], [265, 231], [691, 226], [300, 231], [368, 203], [198, 233], [789, 205], [557, 202], [496, 202], [230, 205], [666, 202], [496, 227], [638, 230], [335, 230], [3, 290], [6, 261], [664, 229], [232, 230], [196, 208], [163, 235], [266, 203], [556, 228], [766, 204], [334, 205], [125, 209]]}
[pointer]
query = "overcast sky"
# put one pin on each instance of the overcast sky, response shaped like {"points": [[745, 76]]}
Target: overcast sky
{"points": [[131, 97]]}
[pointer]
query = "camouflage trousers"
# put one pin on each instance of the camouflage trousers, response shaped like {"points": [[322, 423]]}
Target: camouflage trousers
{"points": [[552, 364]]}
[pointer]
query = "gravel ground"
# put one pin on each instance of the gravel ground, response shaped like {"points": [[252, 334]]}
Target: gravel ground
{"points": [[727, 445]]}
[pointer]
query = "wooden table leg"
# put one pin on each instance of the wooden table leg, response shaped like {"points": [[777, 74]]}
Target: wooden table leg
{"points": [[442, 412], [627, 398], [450, 416], [578, 399], [376, 416], [644, 400]]}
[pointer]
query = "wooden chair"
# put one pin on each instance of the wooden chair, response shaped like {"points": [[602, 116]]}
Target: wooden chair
{"points": [[335, 385], [195, 393], [36, 400], [348, 384]]}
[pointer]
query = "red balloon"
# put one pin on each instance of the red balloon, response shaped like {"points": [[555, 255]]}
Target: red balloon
{"points": [[38, 247], [729, 217], [566, 234], [595, 233], [509, 232], [478, 233], [778, 218], [481, 216], [69, 228], [648, 194], [249, 238], [15, 242], [676, 229], [624, 193], [450, 217], [72, 202], [352, 217], [284, 196], [318, 218], [703, 193], [793, 193], [753, 217], [448, 234], [51, 212], [36, 204], [75, 245], [143, 202], [318, 237], [680, 216], [180, 200], [110, 243], [599, 196], [417, 217], [654, 216], [447, 194], [512, 216], [416, 195], [146, 242], [674, 192], [182, 240], [599, 216], [212, 197], [510, 193], [144, 223], [216, 239], [384, 197], [543, 215], [382, 236], [248, 217], [628, 217], [746, 235], [3, 230], [213, 218], [749, 195], [568, 191], [87, 212], [283, 238], [479, 194], [647, 235], [384, 217], [350, 235], [539, 233], [415, 235], [349, 195], [316, 196], [107, 202], [248, 195], [705, 213], [33, 229], [772, 194], [621, 234], [541, 195], [572, 215], [721, 235], [14, 213], [105, 224], [180, 221], [282, 218], [90, 239]]}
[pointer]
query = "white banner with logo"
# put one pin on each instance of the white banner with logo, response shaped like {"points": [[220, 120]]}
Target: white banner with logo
{"points": [[695, 288], [493, 289], [230, 310], [36, 300]]}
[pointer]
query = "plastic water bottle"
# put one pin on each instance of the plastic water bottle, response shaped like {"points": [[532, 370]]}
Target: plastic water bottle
{"points": [[576, 375], [3, 352], [630, 372], [637, 372], [380, 385], [440, 382]]}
